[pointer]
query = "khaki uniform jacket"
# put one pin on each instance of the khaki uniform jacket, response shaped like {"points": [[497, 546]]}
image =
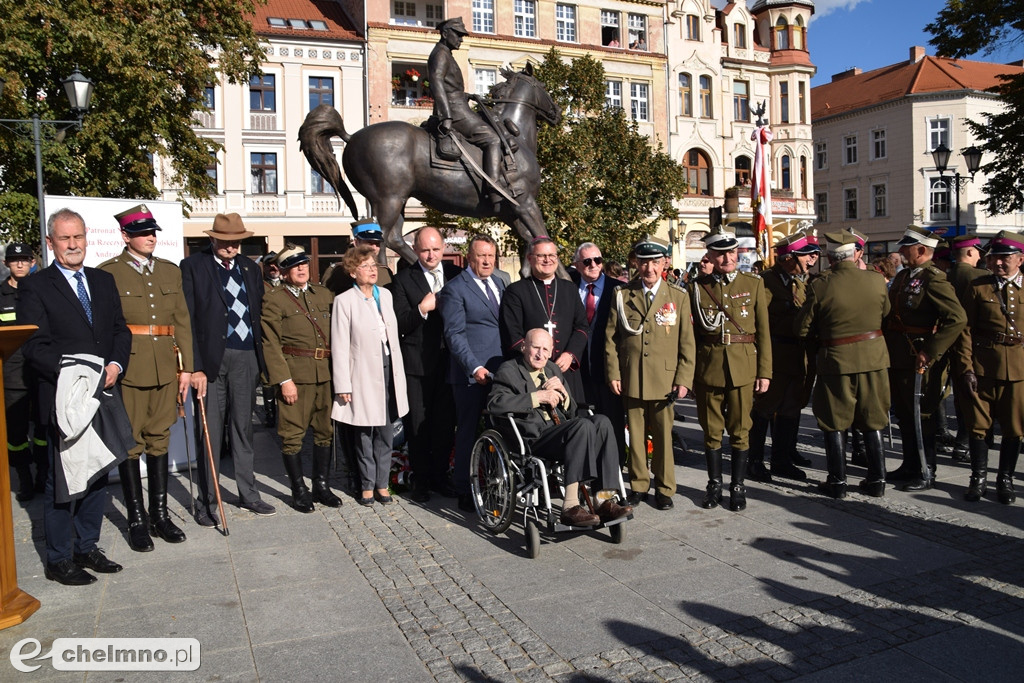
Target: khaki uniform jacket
{"points": [[731, 365], [845, 302], [961, 276], [285, 323], [784, 300], [649, 364], [154, 299], [923, 300], [976, 348]]}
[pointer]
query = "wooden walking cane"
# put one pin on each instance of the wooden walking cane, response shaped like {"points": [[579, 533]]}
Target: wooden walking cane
{"points": [[213, 466]]}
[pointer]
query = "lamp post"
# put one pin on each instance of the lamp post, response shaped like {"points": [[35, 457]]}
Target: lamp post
{"points": [[78, 89], [972, 156]]}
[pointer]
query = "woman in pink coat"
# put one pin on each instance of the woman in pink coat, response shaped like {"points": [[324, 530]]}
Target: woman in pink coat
{"points": [[369, 376]]}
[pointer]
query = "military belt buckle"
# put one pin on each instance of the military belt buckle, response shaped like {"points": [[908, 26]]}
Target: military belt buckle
{"points": [[726, 338], [319, 354]]}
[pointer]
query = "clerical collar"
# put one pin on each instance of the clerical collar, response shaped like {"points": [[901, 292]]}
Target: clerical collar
{"points": [[545, 282], [297, 290]]}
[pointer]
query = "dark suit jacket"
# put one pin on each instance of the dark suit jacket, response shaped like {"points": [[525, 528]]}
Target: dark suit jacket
{"points": [[592, 366], [470, 327], [47, 300], [208, 306], [511, 394], [422, 340]]}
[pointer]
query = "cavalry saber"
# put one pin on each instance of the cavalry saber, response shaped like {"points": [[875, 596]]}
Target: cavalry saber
{"points": [[476, 167], [918, 432], [213, 467]]}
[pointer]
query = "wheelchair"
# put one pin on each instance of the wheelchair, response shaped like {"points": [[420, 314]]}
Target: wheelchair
{"points": [[502, 478]]}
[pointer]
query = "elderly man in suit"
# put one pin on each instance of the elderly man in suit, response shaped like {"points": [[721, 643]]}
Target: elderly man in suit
{"points": [[469, 306], [77, 310], [430, 424], [224, 292], [531, 388]]}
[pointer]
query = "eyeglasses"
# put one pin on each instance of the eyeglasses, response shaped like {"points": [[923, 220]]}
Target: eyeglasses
{"points": [[587, 262], [367, 266], [546, 257]]}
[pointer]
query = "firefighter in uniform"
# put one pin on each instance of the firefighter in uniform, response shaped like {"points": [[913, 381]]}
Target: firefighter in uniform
{"points": [[296, 345], [924, 320], [158, 375], [734, 361], [990, 354]]}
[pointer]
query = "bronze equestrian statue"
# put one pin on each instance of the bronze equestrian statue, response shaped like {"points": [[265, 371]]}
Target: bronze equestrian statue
{"points": [[391, 161]]}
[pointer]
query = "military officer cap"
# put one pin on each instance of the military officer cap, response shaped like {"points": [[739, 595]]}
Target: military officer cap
{"points": [[796, 244], [964, 241], [1006, 242], [861, 239], [915, 234], [269, 257], [841, 242], [720, 240], [942, 252], [292, 255], [18, 251], [136, 219], [650, 247], [455, 24], [368, 230]]}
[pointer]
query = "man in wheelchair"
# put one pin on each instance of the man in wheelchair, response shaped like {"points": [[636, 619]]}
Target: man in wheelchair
{"points": [[531, 388]]}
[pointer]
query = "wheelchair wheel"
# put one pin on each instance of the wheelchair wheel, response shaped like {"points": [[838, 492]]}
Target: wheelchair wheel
{"points": [[493, 482], [532, 539], [618, 532]]}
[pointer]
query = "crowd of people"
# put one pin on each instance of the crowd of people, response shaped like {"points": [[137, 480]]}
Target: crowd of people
{"points": [[434, 348]]}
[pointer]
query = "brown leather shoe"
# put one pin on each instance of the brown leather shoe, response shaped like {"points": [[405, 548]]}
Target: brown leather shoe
{"points": [[577, 516], [610, 510]]}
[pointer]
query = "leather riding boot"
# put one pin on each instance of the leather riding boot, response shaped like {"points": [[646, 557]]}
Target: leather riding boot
{"points": [[301, 498], [26, 487], [737, 491], [160, 523], [41, 457], [834, 485], [926, 480], [269, 406], [713, 493], [321, 472], [858, 452], [979, 470], [785, 433], [131, 485], [874, 456], [910, 468], [758, 434], [944, 439], [1009, 451]]}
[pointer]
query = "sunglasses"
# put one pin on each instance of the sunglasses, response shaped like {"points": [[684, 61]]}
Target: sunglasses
{"points": [[587, 262]]}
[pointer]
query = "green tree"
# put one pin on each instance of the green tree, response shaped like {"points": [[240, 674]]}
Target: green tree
{"points": [[962, 29], [151, 61]]}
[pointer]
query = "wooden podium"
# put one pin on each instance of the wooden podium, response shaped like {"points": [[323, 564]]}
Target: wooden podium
{"points": [[15, 604]]}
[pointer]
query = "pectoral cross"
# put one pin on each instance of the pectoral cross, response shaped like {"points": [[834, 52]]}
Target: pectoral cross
{"points": [[550, 327]]}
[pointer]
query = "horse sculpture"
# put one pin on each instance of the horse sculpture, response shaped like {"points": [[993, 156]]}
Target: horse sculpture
{"points": [[392, 161]]}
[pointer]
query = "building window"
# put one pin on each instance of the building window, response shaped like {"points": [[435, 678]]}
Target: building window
{"points": [[787, 177], [698, 173], [210, 98], [801, 88], [321, 91], [638, 101], [739, 35], [705, 97], [685, 95], [264, 172], [741, 101], [404, 13], [610, 28], [798, 34], [784, 102], [938, 200], [318, 185], [850, 148], [211, 174], [483, 79], [692, 27], [820, 155], [878, 144], [434, 14], [881, 204], [781, 34], [743, 171], [613, 94], [850, 204], [821, 202], [938, 133], [261, 93], [637, 26], [483, 16], [525, 12], [803, 176], [565, 23]]}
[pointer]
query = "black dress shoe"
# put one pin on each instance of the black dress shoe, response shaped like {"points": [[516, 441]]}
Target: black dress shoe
{"points": [[758, 472], [800, 460], [207, 519], [904, 473], [68, 573], [634, 498], [419, 495], [466, 504], [661, 501], [919, 484], [97, 561], [788, 471]]}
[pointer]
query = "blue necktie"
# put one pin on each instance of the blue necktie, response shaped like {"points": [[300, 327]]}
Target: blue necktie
{"points": [[490, 295], [83, 296]]}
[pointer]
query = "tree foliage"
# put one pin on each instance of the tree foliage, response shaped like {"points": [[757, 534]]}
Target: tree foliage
{"points": [[963, 28], [150, 60]]}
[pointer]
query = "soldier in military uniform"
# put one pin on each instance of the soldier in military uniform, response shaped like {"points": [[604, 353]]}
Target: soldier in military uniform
{"points": [[924, 320], [649, 360], [296, 344], [19, 401], [843, 316], [785, 283], [734, 361], [159, 373], [366, 231], [991, 356]]}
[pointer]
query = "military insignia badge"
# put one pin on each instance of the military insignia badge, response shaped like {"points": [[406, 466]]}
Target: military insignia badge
{"points": [[666, 316]]}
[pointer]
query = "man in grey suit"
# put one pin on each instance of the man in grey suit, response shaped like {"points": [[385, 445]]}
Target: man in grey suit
{"points": [[469, 309]]}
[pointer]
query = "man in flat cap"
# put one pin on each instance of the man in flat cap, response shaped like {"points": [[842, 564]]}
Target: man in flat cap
{"points": [[842, 316], [990, 354], [649, 363], [297, 346], [365, 231], [734, 361], [924, 320], [224, 291]]}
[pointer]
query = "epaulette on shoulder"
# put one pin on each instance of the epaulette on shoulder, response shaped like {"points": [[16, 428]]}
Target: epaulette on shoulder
{"points": [[749, 274], [108, 262], [163, 260]]}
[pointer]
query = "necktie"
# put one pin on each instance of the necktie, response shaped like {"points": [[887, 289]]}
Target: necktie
{"points": [[798, 296], [83, 296], [436, 286], [490, 294], [650, 300], [226, 263], [591, 303]]}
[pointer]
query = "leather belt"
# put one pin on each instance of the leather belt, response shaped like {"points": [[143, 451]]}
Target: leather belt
{"points": [[852, 339], [998, 338], [152, 330], [727, 339], [318, 354], [910, 329]]}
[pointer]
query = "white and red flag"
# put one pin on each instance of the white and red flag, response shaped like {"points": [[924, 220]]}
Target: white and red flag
{"points": [[761, 191]]}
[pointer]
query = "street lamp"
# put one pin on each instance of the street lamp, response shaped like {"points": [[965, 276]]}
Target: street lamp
{"points": [[972, 156], [78, 89]]}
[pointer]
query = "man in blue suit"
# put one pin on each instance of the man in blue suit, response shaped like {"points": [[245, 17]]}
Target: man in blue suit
{"points": [[469, 308]]}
